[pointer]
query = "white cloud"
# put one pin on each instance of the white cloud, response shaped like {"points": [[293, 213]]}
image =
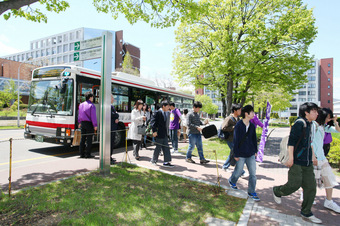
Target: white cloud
{"points": [[159, 44]]}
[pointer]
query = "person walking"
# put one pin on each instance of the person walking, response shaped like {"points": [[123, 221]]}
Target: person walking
{"points": [[114, 127], [159, 128], [147, 114], [184, 124], [227, 127], [245, 151], [87, 120], [175, 119], [300, 162], [137, 119], [194, 134], [327, 176]]}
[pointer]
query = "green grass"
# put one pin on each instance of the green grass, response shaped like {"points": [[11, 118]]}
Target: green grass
{"points": [[336, 135], [128, 196], [9, 113], [11, 127]]}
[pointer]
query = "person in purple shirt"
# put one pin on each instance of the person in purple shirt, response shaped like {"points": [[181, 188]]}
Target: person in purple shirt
{"points": [[175, 118], [87, 121], [256, 121]]}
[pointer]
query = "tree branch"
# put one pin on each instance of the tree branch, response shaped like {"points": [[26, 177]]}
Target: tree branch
{"points": [[14, 4]]}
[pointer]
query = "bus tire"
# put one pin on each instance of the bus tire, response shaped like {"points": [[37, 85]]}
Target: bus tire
{"points": [[120, 136]]}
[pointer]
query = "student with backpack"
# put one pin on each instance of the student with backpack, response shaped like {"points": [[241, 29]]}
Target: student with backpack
{"points": [[327, 175], [245, 151], [227, 129], [300, 162]]}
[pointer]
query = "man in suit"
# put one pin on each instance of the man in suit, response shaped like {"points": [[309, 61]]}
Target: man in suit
{"points": [[114, 127], [159, 128]]}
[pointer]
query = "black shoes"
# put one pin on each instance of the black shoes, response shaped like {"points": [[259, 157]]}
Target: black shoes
{"points": [[89, 156], [204, 161]]}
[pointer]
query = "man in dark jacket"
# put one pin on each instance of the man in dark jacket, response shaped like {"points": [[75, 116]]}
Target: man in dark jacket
{"points": [[114, 127], [300, 163], [245, 151], [159, 128], [228, 126]]}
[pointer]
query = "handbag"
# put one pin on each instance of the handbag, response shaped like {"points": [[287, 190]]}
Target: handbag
{"points": [[76, 138], [209, 131], [141, 129]]}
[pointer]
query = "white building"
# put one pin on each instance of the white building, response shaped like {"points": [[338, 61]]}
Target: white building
{"points": [[214, 95]]}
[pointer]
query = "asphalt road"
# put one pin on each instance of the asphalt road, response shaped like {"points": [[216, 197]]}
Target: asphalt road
{"points": [[34, 162]]}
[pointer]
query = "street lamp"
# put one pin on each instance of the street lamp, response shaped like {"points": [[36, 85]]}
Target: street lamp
{"points": [[28, 59]]}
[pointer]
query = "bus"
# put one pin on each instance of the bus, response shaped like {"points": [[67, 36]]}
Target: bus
{"points": [[56, 92]]}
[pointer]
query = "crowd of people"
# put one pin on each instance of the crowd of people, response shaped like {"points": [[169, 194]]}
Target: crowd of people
{"points": [[308, 144]]}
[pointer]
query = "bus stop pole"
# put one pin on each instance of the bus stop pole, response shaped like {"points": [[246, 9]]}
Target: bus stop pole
{"points": [[105, 103]]}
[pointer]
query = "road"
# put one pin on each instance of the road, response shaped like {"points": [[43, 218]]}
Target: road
{"points": [[34, 162]]}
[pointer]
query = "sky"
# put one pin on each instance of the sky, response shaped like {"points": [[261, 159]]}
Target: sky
{"points": [[156, 45]]}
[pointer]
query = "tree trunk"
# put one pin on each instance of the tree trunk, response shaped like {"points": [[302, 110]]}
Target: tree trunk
{"points": [[223, 106], [229, 94]]}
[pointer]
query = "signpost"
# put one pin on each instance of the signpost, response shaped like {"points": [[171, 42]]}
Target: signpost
{"points": [[91, 49]]}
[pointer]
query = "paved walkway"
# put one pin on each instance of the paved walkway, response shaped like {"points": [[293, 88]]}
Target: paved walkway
{"points": [[269, 173]]}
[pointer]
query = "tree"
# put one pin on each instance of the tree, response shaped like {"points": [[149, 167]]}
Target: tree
{"points": [[9, 93], [238, 46], [207, 105], [159, 13], [127, 65]]}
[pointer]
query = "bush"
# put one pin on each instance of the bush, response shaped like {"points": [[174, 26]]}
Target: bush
{"points": [[23, 106], [334, 153], [7, 111], [292, 119]]}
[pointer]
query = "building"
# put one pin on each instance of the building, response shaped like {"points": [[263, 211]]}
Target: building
{"points": [[336, 107], [59, 49], [10, 70], [214, 95]]}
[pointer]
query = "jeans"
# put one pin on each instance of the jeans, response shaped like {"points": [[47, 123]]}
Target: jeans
{"points": [[161, 143], [300, 176], [195, 139], [227, 162], [251, 165], [174, 138]]}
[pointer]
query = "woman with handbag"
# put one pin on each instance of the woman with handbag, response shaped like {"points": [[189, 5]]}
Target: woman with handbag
{"points": [[137, 120]]}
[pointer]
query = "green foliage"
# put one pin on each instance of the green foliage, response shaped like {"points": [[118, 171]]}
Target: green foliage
{"points": [[274, 115], [6, 112], [23, 9], [9, 93], [278, 98], [245, 47], [334, 153], [292, 119], [208, 106]]}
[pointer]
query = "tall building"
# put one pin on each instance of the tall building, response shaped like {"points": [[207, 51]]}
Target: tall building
{"points": [[318, 89], [59, 49]]}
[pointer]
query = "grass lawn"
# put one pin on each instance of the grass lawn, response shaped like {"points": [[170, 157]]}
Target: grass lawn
{"points": [[336, 135], [6, 112], [128, 196], [11, 127]]}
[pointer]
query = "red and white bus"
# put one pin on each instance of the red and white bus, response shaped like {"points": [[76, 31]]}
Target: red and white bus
{"points": [[57, 91]]}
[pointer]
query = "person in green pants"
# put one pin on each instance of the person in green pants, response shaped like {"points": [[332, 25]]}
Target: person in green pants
{"points": [[301, 161]]}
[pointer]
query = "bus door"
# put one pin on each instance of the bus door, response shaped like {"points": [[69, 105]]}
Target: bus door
{"points": [[84, 85]]}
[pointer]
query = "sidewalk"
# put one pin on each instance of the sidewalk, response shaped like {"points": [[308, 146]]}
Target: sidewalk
{"points": [[269, 173]]}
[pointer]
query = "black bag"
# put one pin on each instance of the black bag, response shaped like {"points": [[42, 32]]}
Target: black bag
{"points": [[141, 129], [232, 160], [209, 131]]}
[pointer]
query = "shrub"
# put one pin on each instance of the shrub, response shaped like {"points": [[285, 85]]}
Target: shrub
{"points": [[7, 111], [292, 119], [334, 153], [274, 115], [23, 106]]}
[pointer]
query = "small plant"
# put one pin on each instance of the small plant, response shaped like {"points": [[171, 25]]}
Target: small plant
{"points": [[334, 153]]}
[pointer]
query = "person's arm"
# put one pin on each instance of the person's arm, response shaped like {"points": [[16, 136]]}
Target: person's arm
{"points": [[290, 161], [236, 140], [154, 124], [94, 116], [228, 126], [315, 161], [333, 129]]}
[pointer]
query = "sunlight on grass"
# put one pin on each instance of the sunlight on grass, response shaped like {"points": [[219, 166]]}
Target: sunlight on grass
{"points": [[129, 195]]}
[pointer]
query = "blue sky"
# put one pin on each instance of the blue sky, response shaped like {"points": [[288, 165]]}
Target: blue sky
{"points": [[156, 44]]}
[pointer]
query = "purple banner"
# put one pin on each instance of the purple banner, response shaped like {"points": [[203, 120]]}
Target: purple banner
{"points": [[260, 152]]}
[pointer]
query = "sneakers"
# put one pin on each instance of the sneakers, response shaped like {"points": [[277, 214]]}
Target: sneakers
{"points": [[227, 169], [233, 186], [277, 199], [168, 164], [153, 163], [190, 160], [332, 206], [204, 161], [311, 218], [254, 196]]}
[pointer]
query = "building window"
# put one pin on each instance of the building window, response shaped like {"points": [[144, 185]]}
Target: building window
{"points": [[329, 87], [329, 65], [311, 92], [313, 64], [65, 48], [311, 78], [329, 94], [42, 53], [329, 101], [53, 50], [312, 85], [65, 59], [59, 49], [54, 40], [301, 93], [311, 99], [329, 79], [71, 36], [71, 58], [60, 39], [71, 46], [302, 99], [329, 72]]}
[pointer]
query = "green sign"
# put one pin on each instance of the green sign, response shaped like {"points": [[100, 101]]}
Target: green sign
{"points": [[87, 54]]}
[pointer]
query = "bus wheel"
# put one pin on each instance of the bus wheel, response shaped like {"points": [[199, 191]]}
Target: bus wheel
{"points": [[120, 136]]}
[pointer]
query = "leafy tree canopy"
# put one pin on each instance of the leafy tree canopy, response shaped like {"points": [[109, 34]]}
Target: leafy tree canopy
{"points": [[238, 46], [207, 104], [159, 13]]}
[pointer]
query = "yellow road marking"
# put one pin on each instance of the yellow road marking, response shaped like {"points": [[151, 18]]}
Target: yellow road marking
{"points": [[25, 160]]}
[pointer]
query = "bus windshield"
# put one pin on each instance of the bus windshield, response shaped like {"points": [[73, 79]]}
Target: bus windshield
{"points": [[51, 97]]}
